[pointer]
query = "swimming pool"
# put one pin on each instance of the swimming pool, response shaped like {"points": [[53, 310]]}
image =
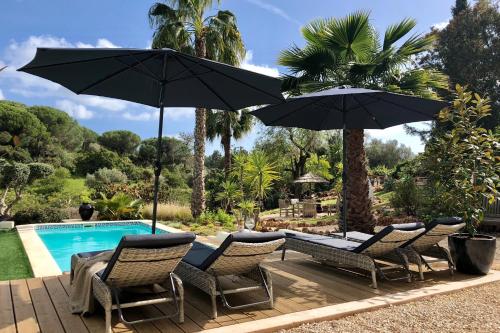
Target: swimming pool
{"points": [[62, 241]]}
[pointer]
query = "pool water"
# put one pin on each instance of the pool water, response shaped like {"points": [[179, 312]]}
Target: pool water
{"points": [[64, 241]]}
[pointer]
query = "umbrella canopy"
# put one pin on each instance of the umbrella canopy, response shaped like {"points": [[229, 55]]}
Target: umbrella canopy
{"points": [[348, 108], [310, 178], [138, 75], [158, 78]]}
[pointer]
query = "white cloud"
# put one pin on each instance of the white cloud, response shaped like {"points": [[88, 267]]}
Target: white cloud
{"points": [[109, 104], [262, 69], [2, 96], [142, 116], [440, 25], [275, 10], [179, 113], [75, 110], [101, 43]]}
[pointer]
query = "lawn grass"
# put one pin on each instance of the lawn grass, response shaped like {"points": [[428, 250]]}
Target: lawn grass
{"points": [[14, 263]]}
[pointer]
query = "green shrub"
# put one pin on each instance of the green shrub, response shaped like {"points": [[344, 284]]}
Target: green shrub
{"points": [[389, 184], [407, 196], [119, 207], [39, 215]]}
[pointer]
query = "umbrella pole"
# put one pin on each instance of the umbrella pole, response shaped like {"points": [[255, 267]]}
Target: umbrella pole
{"points": [[344, 171], [158, 161]]}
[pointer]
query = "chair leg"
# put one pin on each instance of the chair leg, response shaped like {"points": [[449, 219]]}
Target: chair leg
{"points": [[374, 279], [283, 252], [108, 320], [214, 306]]}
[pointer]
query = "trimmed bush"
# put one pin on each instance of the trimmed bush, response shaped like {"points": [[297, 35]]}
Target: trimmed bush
{"points": [[39, 215]]}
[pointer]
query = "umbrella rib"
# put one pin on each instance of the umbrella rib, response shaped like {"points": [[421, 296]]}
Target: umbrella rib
{"points": [[369, 113], [107, 77], [232, 78], [288, 114], [401, 106], [80, 61], [207, 86], [152, 74]]}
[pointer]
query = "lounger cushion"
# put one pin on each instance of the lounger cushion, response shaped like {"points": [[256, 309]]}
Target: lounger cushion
{"points": [[194, 256], [157, 241], [360, 237], [198, 254], [450, 221], [356, 247]]}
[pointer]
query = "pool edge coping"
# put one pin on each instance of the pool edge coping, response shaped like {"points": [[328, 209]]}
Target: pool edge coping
{"points": [[41, 261]]}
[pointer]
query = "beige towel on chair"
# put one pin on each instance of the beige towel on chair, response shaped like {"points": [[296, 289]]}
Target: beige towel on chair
{"points": [[81, 298]]}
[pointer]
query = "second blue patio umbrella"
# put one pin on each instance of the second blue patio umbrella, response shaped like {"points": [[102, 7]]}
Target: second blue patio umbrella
{"points": [[348, 108]]}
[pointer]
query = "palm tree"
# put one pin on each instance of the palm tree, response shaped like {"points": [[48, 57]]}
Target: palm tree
{"points": [[348, 51], [227, 125], [259, 175], [183, 25]]}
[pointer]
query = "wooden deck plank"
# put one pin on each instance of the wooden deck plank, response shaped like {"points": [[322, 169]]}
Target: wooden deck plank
{"points": [[189, 326], [72, 323], [7, 320], [45, 313], [163, 325], [95, 322], [24, 312]]}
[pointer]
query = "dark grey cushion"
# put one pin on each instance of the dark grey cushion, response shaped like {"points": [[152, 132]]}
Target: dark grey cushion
{"points": [[198, 254], [195, 258], [157, 241], [434, 223]]}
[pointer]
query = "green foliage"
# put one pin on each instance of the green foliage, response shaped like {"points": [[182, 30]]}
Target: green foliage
{"points": [[463, 163], [319, 165], [119, 207], [388, 153], [260, 174], [381, 170], [89, 162], [209, 218], [407, 196], [122, 142], [229, 194], [63, 129], [474, 34], [39, 171], [39, 215], [102, 178], [24, 128], [174, 152]]}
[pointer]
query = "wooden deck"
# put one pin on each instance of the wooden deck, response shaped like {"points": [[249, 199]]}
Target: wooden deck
{"points": [[41, 304]]}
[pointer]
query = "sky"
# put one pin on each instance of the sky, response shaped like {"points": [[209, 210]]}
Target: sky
{"points": [[267, 27]]}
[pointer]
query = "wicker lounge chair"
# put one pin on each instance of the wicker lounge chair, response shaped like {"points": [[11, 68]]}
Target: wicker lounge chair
{"points": [[239, 255], [141, 260], [424, 249], [349, 254]]}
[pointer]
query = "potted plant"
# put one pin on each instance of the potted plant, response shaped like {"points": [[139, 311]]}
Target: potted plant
{"points": [[246, 209], [464, 169], [86, 209]]}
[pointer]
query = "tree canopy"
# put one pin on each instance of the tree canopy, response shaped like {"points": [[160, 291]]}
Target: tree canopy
{"points": [[122, 142]]}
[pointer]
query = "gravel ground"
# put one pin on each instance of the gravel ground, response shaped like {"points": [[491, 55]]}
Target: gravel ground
{"points": [[471, 310]]}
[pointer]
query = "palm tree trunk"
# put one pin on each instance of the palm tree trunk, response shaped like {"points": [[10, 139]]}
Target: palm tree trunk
{"points": [[359, 212], [226, 143], [200, 131]]}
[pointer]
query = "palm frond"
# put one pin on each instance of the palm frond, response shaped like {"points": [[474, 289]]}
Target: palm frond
{"points": [[397, 31]]}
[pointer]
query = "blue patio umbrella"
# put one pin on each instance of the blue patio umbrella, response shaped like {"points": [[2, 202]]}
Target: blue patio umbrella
{"points": [[159, 78], [348, 108]]}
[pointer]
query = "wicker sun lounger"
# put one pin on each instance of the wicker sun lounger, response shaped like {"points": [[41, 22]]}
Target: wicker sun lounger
{"points": [[139, 261], [349, 254], [423, 249], [240, 255]]}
